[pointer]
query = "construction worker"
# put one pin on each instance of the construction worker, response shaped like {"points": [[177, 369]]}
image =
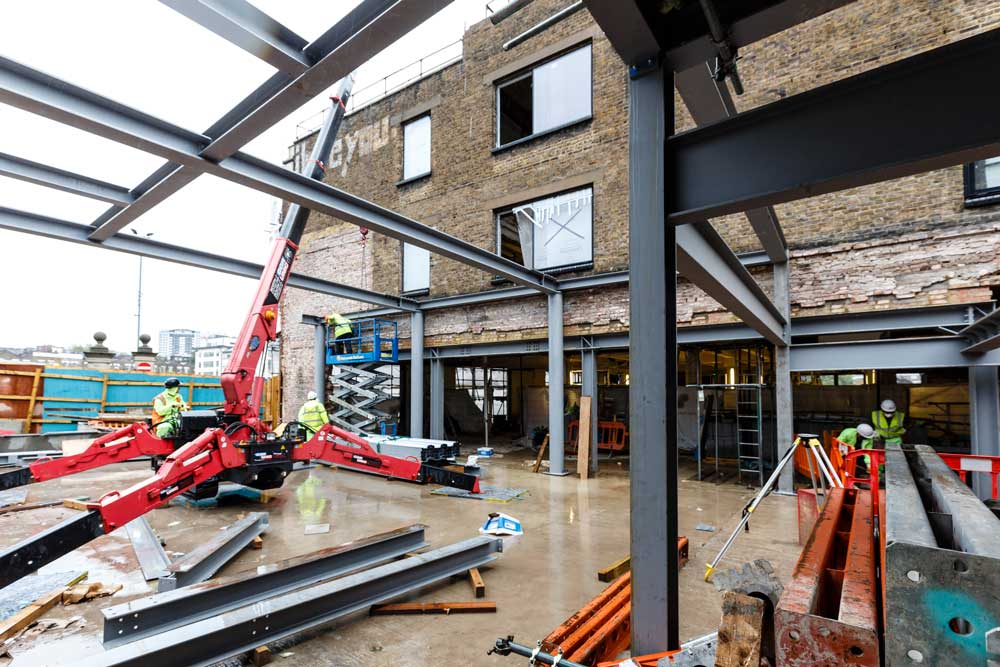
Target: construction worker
{"points": [[167, 408], [850, 436], [312, 414], [888, 423], [342, 329]]}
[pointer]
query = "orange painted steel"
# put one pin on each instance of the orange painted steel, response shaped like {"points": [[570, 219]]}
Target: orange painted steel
{"points": [[600, 630], [829, 613]]}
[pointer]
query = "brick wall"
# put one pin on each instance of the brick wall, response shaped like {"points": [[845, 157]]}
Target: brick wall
{"points": [[904, 243]]}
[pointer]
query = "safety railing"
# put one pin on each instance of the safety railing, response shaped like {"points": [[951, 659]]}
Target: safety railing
{"points": [[371, 340], [611, 436]]}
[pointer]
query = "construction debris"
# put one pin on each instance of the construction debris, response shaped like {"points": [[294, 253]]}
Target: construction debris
{"points": [[82, 592], [478, 585], [24, 592], [740, 631], [317, 529], [433, 608], [29, 614]]}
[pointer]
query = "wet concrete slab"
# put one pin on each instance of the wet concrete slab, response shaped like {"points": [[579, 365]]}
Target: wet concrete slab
{"points": [[572, 529]]}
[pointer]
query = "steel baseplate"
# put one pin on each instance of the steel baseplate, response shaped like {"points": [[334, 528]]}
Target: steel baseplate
{"points": [[942, 566]]}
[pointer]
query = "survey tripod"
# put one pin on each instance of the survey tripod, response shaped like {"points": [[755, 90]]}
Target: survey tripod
{"points": [[823, 473]]}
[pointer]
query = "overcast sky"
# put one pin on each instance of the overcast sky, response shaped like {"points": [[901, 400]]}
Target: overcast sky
{"points": [[144, 54]]}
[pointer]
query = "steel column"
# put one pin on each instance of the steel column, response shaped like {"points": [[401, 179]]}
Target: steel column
{"points": [[557, 431], [417, 374], [437, 397], [652, 370], [984, 418], [926, 112], [588, 387], [319, 362], [784, 423]]}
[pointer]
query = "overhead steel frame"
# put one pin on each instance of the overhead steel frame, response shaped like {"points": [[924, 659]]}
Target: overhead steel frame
{"points": [[875, 126]]}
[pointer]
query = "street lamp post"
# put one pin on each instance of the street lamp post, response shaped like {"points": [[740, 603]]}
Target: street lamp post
{"points": [[138, 314]]}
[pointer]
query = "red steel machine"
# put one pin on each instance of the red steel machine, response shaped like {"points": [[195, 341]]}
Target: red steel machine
{"points": [[229, 444]]}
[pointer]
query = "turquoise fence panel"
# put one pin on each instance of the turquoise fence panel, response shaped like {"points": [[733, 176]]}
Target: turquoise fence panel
{"points": [[122, 396]]}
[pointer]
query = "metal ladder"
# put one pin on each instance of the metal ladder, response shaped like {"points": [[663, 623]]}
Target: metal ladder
{"points": [[749, 431], [355, 389]]}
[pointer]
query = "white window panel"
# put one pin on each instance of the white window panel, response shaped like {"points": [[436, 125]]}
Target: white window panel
{"points": [[562, 228], [991, 172], [562, 90], [417, 147], [416, 268]]}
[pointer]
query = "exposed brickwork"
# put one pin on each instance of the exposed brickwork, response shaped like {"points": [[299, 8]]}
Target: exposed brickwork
{"points": [[905, 243]]}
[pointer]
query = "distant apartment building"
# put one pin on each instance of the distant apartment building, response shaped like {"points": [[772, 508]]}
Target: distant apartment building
{"points": [[177, 342], [212, 359]]}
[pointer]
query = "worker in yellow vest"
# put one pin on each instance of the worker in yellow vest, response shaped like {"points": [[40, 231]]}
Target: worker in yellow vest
{"points": [[342, 329], [312, 414], [888, 423], [167, 408]]}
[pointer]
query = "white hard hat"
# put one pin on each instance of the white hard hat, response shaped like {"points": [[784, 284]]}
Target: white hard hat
{"points": [[311, 396], [865, 431], [888, 406]]}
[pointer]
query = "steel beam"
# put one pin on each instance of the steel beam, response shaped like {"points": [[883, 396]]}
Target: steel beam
{"points": [[704, 258], [983, 334], [416, 374], [230, 633], [652, 370], [363, 32], [557, 431], [207, 558], [38, 93], [437, 397], [153, 560], [984, 419], [626, 28], [145, 617], [250, 29], [709, 102], [67, 181], [897, 353], [922, 113], [61, 230]]}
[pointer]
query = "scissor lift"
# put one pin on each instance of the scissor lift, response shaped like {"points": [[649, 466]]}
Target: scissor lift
{"points": [[356, 382]]}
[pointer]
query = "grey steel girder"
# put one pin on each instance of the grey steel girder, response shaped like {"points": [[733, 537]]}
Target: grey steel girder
{"points": [[709, 101], [136, 619], [250, 29], [363, 32], [40, 225], [922, 113], [38, 93], [983, 334], [704, 258], [230, 633], [901, 353], [67, 181], [637, 36], [208, 557]]}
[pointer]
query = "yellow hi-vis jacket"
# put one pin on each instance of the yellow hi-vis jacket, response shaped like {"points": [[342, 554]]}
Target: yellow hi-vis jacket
{"points": [[166, 406], [342, 325], [892, 429], [313, 415]]}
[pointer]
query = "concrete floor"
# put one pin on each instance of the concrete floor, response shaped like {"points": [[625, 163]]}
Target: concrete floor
{"points": [[572, 529]]}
